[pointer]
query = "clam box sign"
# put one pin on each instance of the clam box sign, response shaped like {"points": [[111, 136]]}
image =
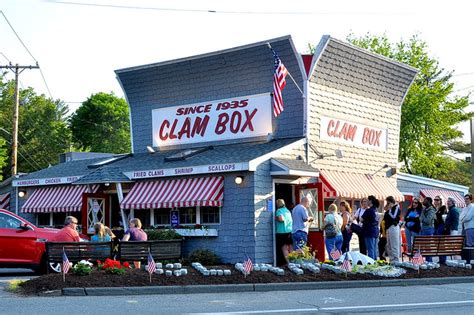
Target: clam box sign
{"points": [[359, 135], [226, 119]]}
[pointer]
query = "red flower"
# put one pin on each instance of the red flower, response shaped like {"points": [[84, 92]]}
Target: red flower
{"points": [[126, 264]]}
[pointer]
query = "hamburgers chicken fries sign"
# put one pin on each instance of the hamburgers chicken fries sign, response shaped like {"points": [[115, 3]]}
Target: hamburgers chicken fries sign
{"points": [[226, 119]]}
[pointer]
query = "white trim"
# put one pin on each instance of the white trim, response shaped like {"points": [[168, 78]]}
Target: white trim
{"points": [[252, 164], [129, 113], [273, 222], [205, 55], [295, 173], [408, 193], [432, 182], [323, 43]]}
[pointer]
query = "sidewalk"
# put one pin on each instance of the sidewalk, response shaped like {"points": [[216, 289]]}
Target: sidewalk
{"points": [[261, 287]]}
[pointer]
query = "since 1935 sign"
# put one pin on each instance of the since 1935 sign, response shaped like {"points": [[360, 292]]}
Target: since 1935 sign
{"points": [[233, 118]]}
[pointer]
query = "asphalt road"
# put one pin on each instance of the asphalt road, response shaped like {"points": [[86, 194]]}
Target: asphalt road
{"points": [[436, 299]]}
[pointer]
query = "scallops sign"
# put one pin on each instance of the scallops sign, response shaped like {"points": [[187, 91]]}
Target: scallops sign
{"points": [[226, 119]]}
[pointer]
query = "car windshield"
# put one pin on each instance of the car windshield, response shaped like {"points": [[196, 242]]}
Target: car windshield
{"points": [[9, 222]]}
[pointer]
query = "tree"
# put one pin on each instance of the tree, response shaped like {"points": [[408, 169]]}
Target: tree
{"points": [[101, 124], [430, 112], [42, 128]]}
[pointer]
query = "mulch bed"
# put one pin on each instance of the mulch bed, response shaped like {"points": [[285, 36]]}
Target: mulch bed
{"points": [[135, 278]]}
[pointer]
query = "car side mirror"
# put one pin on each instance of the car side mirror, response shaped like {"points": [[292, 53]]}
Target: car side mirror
{"points": [[24, 227]]}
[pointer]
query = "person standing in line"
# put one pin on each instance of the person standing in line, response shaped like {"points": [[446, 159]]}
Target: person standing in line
{"points": [[451, 223], [68, 233], [427, 219], [346, 213], [412, 222], [301, 221], [392, 220], [332, 230], [441, 211], [284, 225], [357, 228], [370, 227], [467, 221]]}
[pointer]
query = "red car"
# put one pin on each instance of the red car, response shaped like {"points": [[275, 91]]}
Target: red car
{"points": [[22, 244]]}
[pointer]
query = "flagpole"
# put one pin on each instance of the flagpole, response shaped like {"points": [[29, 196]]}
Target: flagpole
{"points": [[301, 91], [62, 267]]}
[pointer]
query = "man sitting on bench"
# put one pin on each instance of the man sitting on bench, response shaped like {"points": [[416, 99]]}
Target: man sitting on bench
{"points": [[68, 233]]}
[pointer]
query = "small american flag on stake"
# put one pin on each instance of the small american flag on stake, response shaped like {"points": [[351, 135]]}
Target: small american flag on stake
{"points": [[248, 266], [417, 258], [151, 267], [66, 264], [335, 254], [279, 84], [346, 264]]}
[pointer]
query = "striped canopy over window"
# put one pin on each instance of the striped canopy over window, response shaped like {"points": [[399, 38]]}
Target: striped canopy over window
{"points": [[184, 192], [65, 198], [358, 186], [445, 194], [5, 201]]}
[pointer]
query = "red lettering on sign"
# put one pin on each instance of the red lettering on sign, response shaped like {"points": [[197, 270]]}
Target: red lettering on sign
{"points": [[221, 122], [371, 137], [164, 136], [200, 125], [248, 121]]}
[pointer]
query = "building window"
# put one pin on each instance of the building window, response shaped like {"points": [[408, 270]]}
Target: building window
{"points": [[43, 219], [60, 217], [162, 216], [187, 215], [210, 215], [144, 216]]}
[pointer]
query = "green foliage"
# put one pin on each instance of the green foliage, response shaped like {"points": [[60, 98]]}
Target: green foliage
{"points": [[14, 285], [82, 268], [3, 155], [167, 234], [101, 124], [429, 113], [42, 129], [304, 255], [204, 256]]}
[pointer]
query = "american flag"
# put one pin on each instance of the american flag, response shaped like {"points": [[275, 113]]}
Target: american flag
{"points": [[279, 83], [346, 264], [151, 267], [248, 265], [66, 264], [335, 254], [417, 258]]}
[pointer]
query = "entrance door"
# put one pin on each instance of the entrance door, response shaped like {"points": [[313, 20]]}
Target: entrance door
{"points": [[95, 208]]}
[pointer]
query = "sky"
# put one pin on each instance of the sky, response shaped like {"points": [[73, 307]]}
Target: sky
{"points": [[78, 44]]}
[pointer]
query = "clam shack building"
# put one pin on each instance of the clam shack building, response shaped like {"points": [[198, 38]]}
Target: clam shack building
{"points": [[210, 157]]}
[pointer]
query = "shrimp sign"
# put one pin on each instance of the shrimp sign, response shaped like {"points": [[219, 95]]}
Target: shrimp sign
{"points": [[360, 135], [233, 118]]}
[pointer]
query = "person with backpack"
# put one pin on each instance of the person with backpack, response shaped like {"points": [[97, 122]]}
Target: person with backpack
{"points": [[332, 230]]}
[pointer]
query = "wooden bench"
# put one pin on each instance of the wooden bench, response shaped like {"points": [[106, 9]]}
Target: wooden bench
{"points": [[77, 251], [437, 245], [159, 249]]}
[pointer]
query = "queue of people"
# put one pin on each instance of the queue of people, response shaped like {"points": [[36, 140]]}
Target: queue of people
{"points": [[379, 234]]}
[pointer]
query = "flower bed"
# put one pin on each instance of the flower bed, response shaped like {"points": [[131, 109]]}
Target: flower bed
{"points": [[135, 277]]}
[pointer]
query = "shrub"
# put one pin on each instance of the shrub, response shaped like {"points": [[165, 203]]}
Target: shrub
{"points": [[167, 234], [82, 268], [204, 256], [14, 285], [304, 255]]}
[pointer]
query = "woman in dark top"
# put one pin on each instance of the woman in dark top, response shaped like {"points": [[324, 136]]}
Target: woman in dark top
{"points": [[391, 219], [440, 211], [370, 227], [412, 222]]}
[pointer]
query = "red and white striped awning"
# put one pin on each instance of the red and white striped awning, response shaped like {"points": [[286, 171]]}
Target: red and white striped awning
{"points": [[358, 186], [66, 198], [184, 192], [5, 201], [444, 194]]}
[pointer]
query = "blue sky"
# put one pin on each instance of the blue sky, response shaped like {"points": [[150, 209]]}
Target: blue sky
{"points": [[79, 44]]}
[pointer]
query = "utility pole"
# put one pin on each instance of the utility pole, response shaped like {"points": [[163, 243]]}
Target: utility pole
{"points": [[17, 70]]}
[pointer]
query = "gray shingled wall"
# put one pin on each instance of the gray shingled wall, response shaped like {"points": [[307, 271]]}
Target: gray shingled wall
{"points": [[412, 187], [236, 231], [236, 73]]}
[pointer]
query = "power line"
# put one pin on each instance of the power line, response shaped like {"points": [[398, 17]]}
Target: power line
{"points": [[378, 13], [29, 52]]}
